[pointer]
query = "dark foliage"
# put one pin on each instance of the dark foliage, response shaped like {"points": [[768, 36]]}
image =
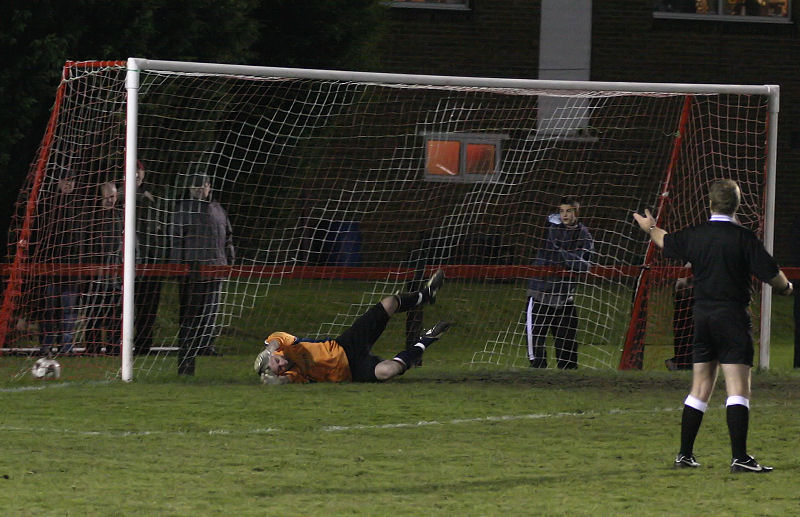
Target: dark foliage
{"points": [[39, 36]]}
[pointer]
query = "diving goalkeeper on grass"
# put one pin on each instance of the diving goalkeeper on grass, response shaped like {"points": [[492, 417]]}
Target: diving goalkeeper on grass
{"points": [[287, 358]]}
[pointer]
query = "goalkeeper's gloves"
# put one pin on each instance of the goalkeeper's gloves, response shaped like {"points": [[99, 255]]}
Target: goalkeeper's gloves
{"points": [[261, 366]]}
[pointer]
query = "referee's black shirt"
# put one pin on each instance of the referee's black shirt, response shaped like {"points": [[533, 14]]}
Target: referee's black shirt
{"points": [[724, 255]]}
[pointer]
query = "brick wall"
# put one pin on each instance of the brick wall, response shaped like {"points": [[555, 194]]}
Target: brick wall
{"points": [[499, 38], [496, 38], [630, 45]]}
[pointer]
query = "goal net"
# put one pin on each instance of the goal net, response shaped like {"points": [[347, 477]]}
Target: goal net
{"points": [[275, 199]]}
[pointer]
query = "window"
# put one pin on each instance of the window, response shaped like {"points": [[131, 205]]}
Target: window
{"points": [[457, 5], [443, 158], [462, 157], [774, 11]]}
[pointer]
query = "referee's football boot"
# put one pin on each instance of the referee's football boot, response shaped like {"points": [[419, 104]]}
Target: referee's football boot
{"points": [[748, 464], [683, 461], [434, 333], [432, 286]]}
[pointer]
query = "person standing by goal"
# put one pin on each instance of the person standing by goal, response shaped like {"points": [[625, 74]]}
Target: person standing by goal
{"points": [[551, 303], [201, 236], [724, 256]]}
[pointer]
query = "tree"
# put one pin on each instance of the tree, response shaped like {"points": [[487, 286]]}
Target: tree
{"points": [[320, 33], [39, 36]]}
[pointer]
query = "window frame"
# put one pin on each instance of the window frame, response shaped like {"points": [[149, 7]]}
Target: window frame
{"points": [[465, 139], [738, 18], [465, 6]]}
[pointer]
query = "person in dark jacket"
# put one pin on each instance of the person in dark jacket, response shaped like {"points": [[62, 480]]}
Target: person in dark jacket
{"points": [[201, 236], [103, 291], [551, 304], [57, 242], [151, 248], [682, 326], [795, 258]]}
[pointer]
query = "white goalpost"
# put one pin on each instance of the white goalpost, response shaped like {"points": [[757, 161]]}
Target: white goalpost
{"points": [[289, 199]]}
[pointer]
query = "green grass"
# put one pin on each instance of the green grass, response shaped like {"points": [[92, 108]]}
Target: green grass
{"points": [[438, 441], [445, 439]]}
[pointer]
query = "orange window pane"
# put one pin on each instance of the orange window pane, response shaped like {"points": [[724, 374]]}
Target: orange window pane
{"points": [[443, 157], [480, 159]]}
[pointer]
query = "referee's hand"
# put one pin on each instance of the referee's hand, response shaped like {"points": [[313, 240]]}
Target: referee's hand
{"points": [[646, 222]]}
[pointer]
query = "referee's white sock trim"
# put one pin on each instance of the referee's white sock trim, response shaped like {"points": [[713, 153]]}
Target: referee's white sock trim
{"points": [[735, 400], [696, 403]]}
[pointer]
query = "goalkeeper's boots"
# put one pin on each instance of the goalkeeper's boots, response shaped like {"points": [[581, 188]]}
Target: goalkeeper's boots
{"points": [[748, 464], [434, 333], [686, 461], [432, 286]]}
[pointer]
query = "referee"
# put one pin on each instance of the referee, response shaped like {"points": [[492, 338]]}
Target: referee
{"points": [[724, 255]]}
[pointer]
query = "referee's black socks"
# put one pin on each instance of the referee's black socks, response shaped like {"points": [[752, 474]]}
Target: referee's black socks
{"points": [[693, 411], [738, 416]]}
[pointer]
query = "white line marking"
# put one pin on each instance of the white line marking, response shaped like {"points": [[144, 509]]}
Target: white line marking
{"points": [[355, 427], [124, 434], [500, 418], [327, 428], [48, 384], [33, 388]]}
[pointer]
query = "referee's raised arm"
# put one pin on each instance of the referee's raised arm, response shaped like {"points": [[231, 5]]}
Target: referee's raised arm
{"points": [[724, 257], [648, 225]]}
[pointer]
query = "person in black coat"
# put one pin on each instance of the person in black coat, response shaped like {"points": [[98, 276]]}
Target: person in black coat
{"points": [[201, 236]]}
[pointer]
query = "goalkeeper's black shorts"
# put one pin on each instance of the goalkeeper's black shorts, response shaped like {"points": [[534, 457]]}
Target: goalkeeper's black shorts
{"points": [[357, 343]]}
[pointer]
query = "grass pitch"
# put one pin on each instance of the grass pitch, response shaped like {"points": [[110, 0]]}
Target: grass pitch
{"points": [[438, 441], [445, 439]]}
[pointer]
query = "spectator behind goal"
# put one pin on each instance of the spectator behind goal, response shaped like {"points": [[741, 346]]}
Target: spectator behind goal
{"points": [[551, 302], [102, 294], [200, 235]]}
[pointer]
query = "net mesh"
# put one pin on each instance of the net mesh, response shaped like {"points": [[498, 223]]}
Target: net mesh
{"points": [[295, 204]]}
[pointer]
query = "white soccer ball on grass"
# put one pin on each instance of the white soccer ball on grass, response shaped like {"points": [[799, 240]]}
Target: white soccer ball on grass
{"points": [[46, 368]]}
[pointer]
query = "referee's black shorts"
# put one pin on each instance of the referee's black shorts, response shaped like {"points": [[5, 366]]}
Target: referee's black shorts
{"points": [[722, 332], [357, 342]]}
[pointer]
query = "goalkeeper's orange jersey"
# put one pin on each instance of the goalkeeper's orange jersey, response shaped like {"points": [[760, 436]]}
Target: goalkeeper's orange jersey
{"points": [[321, 361]]}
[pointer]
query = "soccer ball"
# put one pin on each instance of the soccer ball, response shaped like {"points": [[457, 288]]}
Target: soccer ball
{"points": [[45, 368]]}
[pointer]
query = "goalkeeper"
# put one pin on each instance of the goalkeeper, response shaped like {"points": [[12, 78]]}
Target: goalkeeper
{"points": [[348, 358], [724, 256]]}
